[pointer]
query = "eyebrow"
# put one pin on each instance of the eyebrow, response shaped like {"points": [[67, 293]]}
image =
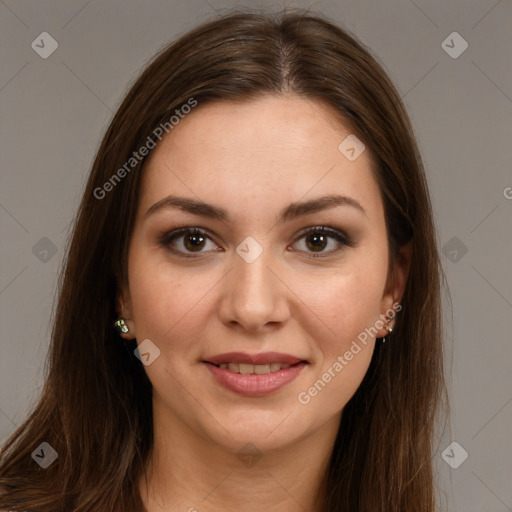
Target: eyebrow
{"points": [[290, 212]]}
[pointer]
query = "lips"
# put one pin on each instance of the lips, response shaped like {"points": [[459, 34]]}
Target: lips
{"points": [[253, 359], [254, 374], [254, 384]]}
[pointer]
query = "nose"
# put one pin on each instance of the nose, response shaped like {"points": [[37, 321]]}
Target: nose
{"points": [[255, 297]]}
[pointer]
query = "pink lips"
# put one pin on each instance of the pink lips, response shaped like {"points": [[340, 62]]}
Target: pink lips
{"points": [[254, 384], [242, 357]]}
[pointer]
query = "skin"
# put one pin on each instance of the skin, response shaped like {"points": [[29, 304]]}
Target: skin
{"points": [[253, 158]]}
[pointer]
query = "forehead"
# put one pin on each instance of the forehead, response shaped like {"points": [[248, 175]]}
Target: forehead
{"points": [[269, 151]]}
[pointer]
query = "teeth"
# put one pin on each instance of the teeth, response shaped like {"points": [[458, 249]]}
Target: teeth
{"points": [[258, 369], [246, 369], [234, 367], [261, 369]]}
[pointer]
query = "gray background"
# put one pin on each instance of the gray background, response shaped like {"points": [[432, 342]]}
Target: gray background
{"points": [[55, 110]]}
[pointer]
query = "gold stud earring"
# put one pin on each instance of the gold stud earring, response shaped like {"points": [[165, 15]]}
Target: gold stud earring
{"points": [[121, 326]]}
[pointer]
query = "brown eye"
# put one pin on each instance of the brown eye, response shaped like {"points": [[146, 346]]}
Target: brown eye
{"points": [[318, 238], [186, 240], [193, 241], [316, 241]]}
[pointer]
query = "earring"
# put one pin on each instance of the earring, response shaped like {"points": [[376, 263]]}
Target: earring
{"points": [[121, 326], [388, 328]]}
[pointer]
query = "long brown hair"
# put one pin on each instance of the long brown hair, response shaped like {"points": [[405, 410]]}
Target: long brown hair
{"points": [[95, 408]]}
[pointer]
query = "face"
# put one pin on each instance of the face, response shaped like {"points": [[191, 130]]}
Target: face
{"points": [[256, 273]]}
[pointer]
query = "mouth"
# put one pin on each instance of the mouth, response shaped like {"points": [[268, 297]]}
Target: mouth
{"points": [[259, 364], [257, 369], [256, 374]]}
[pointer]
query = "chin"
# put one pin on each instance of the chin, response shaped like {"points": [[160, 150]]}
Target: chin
{"points": [[266, 433]]}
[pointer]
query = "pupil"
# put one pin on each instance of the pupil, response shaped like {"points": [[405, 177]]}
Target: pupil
{"points": [[194, 241], [318, 238]]}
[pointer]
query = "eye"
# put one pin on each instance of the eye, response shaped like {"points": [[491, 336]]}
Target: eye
{"points": [[191, 240], [187, 241], [316, 239]]}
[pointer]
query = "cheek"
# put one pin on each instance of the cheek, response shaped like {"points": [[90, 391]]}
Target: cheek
{"points": [[340, 321], [168, 302], [157, 295], [340, 314], [346, 301]]}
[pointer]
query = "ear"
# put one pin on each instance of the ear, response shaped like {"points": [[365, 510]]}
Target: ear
{"points": [[124, 310], [395, 286]]}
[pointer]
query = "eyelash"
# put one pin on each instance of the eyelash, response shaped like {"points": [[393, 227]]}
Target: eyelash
{"points": [[339, 236]]}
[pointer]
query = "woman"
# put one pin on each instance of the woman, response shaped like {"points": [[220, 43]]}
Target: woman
{"points": [[249, 315]]}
